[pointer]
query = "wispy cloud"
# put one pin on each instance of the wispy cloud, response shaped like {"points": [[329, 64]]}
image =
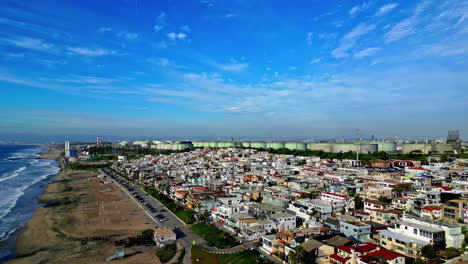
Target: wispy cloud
{"points": [[230, 15], [175, 36], [317, 60], [350, 39], [234, 66], [90, 52], [366, 52], [127, 35], [104, 29], [29, 43], [185, 28], [407, 26], [356, 9], [160, 22], [163, 62], [386, 8], [309, 38]]}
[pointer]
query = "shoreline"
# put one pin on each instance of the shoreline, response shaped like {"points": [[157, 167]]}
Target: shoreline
{"points": [[78, 220], [9, 241]]}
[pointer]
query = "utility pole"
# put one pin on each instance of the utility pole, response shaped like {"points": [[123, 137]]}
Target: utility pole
{"points": [[357, 143]]}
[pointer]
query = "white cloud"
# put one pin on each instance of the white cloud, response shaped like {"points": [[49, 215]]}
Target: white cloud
{"points": [[30, 43], [163, 62], [407, 26], [104, 29], [366, 52], [317, 60], [160, 22], [309, 38], [350, 39], [90, 52], [230, 67], [127, 35], [185, 28], [268, 68], [230, 15], [358, 8], [386, 8], [175, 36]]}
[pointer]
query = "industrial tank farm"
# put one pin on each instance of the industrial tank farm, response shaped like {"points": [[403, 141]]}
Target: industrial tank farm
{"points": [[258, 145], [325, 147], [389, 147], [361, 147], [276, 145]]}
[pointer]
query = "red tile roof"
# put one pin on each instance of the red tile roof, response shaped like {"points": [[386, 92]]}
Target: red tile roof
{"points": [[337, 195], [431, 208], [384, 253], [339, 258], [366, 247]]}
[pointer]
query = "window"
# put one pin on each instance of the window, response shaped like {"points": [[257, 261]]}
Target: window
{"points": [[415, 231]]}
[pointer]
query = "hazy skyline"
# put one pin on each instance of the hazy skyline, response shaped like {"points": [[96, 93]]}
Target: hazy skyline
{"points": [[292, 70]]}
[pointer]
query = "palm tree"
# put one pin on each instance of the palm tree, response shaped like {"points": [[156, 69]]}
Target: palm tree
{"points": [[296, 256]]}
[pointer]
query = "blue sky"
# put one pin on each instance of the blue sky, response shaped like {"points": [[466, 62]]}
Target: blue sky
{"points": [[241, 68]]}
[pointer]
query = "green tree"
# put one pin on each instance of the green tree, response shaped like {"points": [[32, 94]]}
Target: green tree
{"points": [[384, 199], [296, 256], [358, 201], [451, 252], [148, 233], [428, 251]]}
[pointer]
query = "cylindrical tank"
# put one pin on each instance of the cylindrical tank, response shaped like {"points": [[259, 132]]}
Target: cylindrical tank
{"points": [[123, 144], [367, 148], [295, 146], [301, 146], [388, 147], [337, 148], [230, 144], [245, 144], [442, 148], [290, 145], [408, 148], [276, 145], [258, 145], [325, 147]]}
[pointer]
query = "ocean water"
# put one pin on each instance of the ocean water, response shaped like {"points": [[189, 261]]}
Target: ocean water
{"points": [[23, 178]]}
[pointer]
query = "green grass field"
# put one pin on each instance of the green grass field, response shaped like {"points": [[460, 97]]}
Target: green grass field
{"points": [[214, 236], [244, 257], [165, 254]]}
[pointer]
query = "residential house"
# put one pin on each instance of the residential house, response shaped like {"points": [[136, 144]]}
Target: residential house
{"points": [[339, 203], [355, 230], [454, 209], [375, 204], [385, 217], [164, 236], [432, 212], [374, 193]]}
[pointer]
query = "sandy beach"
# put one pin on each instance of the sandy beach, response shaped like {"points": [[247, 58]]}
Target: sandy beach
{"points": [[80, 221]]}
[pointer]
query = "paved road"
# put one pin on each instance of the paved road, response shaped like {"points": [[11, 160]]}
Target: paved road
{"points": [[185, 236]]}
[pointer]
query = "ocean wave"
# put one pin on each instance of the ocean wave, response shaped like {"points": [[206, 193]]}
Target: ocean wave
{"points": [[5, 235], [29, 153], [13, 174], [6, 205]]}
